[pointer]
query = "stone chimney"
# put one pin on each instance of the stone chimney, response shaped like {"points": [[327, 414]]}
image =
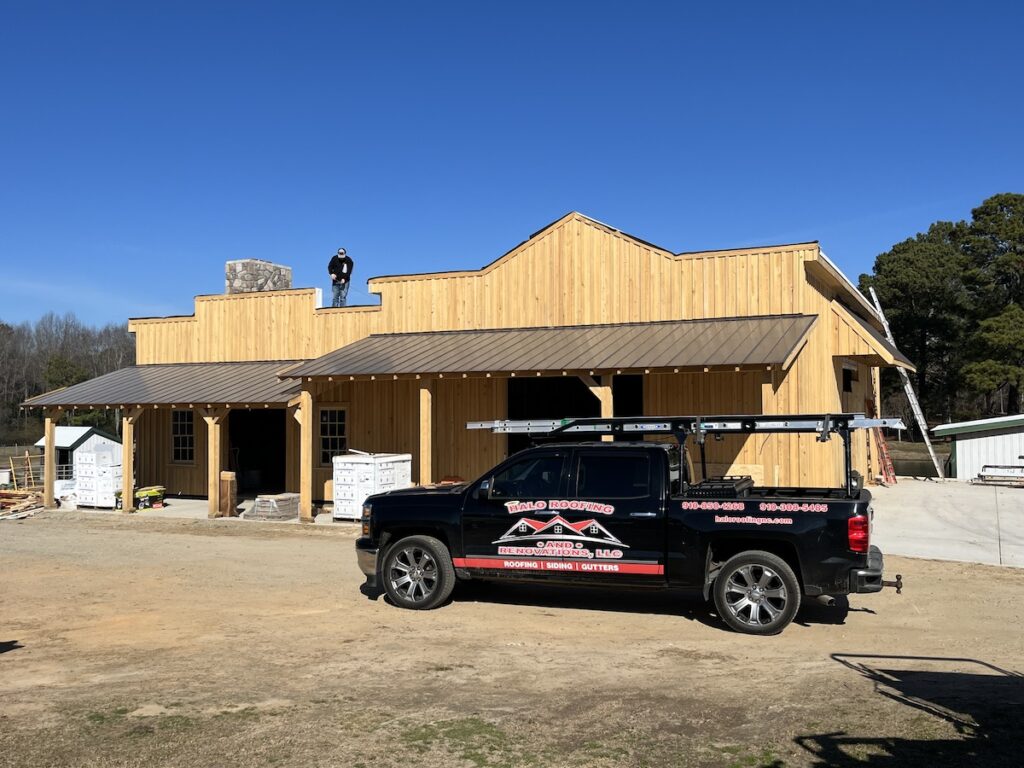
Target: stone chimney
{"points": [[250, 275]]}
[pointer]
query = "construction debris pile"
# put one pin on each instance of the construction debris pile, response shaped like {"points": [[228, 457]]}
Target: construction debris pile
{"points": [[17, 505], [278, 506]]}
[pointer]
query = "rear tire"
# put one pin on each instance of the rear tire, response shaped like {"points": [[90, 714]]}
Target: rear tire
{"points": [[757, 593], [418, 573]]}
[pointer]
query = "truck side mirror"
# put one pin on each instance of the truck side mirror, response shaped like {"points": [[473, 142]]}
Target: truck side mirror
{"points": [[483, 490]]}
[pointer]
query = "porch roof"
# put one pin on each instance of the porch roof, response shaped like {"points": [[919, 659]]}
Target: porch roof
{"points": [[184, 384], [773, 340]]}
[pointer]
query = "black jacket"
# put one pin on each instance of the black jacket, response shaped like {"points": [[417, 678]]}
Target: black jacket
{"points": [[342, 267]]}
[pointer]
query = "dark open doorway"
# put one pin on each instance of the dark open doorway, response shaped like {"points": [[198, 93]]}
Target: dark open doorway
{"points": [[256, 450], [567, 397]]}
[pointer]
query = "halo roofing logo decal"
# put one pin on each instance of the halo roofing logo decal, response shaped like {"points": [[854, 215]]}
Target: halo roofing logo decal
{"points": [[553, 506], [559, 529]]}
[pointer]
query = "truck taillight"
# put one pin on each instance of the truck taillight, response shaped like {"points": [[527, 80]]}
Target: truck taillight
{"points": [[858, 533]]}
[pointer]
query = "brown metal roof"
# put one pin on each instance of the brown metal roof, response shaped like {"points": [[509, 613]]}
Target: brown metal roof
{"points": [[885, 347], [179, 384], [746, 341]]}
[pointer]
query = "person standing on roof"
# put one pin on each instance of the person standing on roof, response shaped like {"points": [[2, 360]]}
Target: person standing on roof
{"points": [[340, 269]]}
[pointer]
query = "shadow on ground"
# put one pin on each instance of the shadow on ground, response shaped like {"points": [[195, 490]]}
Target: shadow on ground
{"points": [[984, 705], [9, 645], [687, 604]]}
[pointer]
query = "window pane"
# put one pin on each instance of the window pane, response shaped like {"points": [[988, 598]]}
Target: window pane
{"points": [[332, 434], [533, 478], [613, 476], [182, 436]]}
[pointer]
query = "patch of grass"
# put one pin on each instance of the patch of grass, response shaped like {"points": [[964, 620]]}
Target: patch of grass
{"points": [[764, 758], [98, 718], [473, 739], [243, 714], [601, 750], [175, 723]]}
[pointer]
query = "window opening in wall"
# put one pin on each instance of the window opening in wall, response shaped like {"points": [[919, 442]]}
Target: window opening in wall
{"points": [[183, 437], [849, 376], [333, 434]]}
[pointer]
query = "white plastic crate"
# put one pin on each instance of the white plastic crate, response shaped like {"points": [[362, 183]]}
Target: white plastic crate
{"points": [[100, 499], [108, 484], [98, 474], [358, 475]]}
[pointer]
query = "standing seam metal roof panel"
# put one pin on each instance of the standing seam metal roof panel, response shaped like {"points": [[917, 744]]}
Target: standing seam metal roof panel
{"points": [[178, 383], [767, 340]]}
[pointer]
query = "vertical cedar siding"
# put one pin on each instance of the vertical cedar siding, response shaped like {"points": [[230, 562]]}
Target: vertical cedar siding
{"points": [[575, 272]]}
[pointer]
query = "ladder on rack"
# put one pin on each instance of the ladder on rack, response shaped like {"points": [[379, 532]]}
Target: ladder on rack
{"points": [[915, 406]]}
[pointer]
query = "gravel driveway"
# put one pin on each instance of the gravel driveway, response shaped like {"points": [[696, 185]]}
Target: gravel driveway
{"points": [[139, 642]]}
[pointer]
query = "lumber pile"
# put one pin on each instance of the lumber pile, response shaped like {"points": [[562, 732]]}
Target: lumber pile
{"points": [[1005, 475], [17, 505]]}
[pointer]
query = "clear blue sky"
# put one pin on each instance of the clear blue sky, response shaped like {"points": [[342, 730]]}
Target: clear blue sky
{"points": [[144, 144]]}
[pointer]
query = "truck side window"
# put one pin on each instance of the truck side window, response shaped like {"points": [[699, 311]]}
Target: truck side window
{"points": [[534, 477], [613, 476]]}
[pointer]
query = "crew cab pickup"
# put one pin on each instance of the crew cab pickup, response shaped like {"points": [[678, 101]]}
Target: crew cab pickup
{"points": [[632, 513]]}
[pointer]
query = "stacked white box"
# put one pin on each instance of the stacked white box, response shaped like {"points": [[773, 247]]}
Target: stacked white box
{"points": [[358, 475], [98, 476]]}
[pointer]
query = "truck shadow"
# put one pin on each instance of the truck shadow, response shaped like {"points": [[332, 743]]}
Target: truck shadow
{"points": [[687, 604], [9, 645], [980, 703]]}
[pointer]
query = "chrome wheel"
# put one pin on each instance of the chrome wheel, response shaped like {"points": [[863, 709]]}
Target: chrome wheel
{"points": [[755, 595], [412, 573]]}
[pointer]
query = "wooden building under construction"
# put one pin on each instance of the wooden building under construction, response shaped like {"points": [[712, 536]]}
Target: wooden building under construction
{"points": [[578, 320]]}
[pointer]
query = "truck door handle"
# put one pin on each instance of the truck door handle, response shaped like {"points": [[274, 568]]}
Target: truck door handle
{"points": [[643, 514]]}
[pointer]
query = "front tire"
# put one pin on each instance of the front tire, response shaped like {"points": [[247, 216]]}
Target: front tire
{"points": [[418, 573], [757, 593]]}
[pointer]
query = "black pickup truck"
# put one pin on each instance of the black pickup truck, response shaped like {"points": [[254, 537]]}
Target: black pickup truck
{"points": [[633, 513]]}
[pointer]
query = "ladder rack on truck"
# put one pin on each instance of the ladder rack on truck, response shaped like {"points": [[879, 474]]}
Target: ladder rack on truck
{"points": [[698, 427]]}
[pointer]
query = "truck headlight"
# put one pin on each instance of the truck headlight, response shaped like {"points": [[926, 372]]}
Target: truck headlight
{"points": [[367, 509]]}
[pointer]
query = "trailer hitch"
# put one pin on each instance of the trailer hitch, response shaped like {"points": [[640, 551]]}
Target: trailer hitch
{"points": [[898, 583]]}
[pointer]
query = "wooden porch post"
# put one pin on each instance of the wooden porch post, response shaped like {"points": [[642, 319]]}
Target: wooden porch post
{"points": [[601, 388], [306, 424], [426, 445], [214, 431], [50, 455], [128, 419]]}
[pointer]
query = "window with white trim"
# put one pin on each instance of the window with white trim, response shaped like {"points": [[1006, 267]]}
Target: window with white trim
{"points": [[333, 434], [183, 437]]}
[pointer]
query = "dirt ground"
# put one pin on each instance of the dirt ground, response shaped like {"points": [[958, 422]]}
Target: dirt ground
{"points": [[134, 642]]}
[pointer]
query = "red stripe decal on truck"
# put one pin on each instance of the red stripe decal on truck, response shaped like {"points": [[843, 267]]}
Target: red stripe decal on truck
{"points": [[568, 566]]}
